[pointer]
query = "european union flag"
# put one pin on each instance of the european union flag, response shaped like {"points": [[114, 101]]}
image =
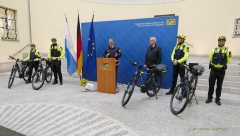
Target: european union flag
{"points": [[91, 54]]}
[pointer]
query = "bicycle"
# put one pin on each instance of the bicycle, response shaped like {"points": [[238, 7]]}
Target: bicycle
{"points": [[185, 91], [152, 83], [25, 70], [44, 73], [22, 70]]}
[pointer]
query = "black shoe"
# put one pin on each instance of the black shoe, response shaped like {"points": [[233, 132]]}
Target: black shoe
{"points": [[169, 93], [218, 102], [208, 100], [27, 82], [55, 83], [142, 90], [61, 83], [20, 75]]}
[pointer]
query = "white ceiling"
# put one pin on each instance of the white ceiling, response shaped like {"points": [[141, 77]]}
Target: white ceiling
{"points": [[132, 1]]}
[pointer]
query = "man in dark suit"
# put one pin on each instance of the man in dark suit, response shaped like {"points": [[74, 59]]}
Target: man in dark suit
{"points": [[153, 55]]}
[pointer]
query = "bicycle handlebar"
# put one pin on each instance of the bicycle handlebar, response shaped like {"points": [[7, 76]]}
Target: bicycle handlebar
{"points": [[186, 67], [43, 59], [11, 57], [133, 63]]}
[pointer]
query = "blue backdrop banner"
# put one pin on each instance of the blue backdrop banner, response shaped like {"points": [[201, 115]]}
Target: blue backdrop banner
{"points": [[132, 36]]}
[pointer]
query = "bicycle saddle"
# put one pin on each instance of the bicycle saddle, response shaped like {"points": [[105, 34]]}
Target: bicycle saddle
{"points": [[198, 70], [160, 68]]}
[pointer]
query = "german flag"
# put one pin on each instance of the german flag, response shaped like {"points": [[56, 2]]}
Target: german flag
{"points": [[79, 48]]}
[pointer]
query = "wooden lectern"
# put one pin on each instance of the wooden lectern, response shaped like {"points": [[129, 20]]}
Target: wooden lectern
{"points": [[106, 75]]}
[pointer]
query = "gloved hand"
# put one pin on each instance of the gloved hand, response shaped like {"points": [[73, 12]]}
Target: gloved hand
{"points": [[225, 67], [210, 66]]}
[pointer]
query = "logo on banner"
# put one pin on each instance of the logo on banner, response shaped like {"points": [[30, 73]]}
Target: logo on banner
{"points": [[170, 22], [105, 66]]}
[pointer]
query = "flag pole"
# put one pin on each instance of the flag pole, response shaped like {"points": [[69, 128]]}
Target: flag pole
{"points": [[65, 17], [80, 75]]}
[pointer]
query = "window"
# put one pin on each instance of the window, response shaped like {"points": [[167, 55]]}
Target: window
{"points": [[8, 24], [236, 32]]}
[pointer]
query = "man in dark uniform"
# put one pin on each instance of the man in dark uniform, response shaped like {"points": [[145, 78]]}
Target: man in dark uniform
{"points": [[112, 51], [56, 53], [179, 55], [219, 58], [33, 57], [153, 55]]}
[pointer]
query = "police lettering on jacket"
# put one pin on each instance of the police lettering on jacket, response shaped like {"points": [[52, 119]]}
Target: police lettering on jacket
{"points": [[220, 56], [33, 54], [180, 53], [54, 51]]}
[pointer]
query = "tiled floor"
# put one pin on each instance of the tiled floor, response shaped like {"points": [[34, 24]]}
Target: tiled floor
{"points": [[69, 110]]}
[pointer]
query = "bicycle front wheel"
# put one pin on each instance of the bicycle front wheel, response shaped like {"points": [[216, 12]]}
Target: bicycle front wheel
{"points": [[48, 74], [154, 86], [25, 73], [128, 92], [38, 79], [179, 99], [12, 77]]}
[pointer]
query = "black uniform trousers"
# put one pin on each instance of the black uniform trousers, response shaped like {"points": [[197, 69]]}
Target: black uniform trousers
{"points": [[32, 64], [216, 74], [56, 68], [177, 69]]}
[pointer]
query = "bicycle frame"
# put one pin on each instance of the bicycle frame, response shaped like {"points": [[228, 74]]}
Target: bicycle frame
{"points": [[42, 66], [138, 77], [139, 80], [16, 65], [18, 68], [187, 81]]}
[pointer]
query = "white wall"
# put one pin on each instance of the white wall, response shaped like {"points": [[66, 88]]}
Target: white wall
{"points": [[11, 47], [201, 20]]}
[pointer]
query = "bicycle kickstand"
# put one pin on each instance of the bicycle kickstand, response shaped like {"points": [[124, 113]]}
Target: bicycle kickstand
{"points": [[156, 96], [195, 98]]}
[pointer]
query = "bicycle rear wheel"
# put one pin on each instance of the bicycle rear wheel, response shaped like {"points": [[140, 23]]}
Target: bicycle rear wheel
{"points": [[38, 79], [48, 74], [179, 99], [12, 77], [193, 87], [128, 92], [25, 73], [154, 86]]}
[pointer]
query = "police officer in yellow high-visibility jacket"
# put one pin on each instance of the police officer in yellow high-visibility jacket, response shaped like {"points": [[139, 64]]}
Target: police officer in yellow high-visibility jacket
{"points": [[179, 55], [33, 57], [56, 53], [219, 58]]}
